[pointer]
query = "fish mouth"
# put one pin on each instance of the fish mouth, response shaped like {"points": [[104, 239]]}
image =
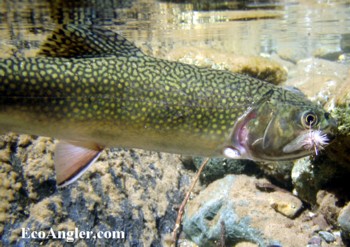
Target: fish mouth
{"points": [[313, 140], [309, 141]]}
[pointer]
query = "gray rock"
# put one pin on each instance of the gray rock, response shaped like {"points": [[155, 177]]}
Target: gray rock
{"points": [[345, 42], [344, 221], [327, 236], [310, 175], [204, 223], [315, 241]]}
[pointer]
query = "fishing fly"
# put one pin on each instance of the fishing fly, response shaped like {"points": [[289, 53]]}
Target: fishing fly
{"points": [[316, 140]]}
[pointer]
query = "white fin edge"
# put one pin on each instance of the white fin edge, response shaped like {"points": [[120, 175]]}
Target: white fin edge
{"points": [[72, 159], [231, 153]]}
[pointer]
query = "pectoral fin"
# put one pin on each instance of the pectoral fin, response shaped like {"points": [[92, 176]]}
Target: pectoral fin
{"points": [[72, 159]]}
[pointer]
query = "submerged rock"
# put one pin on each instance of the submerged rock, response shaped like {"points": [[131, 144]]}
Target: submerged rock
{"points": [[212, 214], [285, 204], [234, 208], [344, 222], [124, 191], [217, 168], [315, 241], [327, 236], [321, 80], [310, 175], [255, 66]]}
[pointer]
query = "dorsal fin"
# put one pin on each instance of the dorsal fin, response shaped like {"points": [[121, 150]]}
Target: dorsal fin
{"points": [[72, 41]]}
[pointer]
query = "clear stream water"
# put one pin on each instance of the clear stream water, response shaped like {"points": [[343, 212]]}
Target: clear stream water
{"points": [[294, 29], [291, 29]]}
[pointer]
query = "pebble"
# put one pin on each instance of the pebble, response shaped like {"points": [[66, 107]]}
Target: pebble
{"points": [[24, 140], [5, 155], [315, 241], [286, 204], [327, 236]]}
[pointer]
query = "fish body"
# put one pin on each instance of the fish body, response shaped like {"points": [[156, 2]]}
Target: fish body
{"points": [[96, 89]]}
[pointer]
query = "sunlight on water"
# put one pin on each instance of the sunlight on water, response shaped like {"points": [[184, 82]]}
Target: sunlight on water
{"points": [[292, 29]]}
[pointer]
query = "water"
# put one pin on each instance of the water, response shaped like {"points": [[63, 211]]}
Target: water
{"points": [[142, 202], [292, 29]]}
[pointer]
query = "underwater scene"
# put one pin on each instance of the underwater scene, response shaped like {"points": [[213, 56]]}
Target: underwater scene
{"points": [[110, 111]]}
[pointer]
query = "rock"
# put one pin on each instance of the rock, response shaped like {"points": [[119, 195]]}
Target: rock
{"points": [[5, 155], [328, 206], [24, 140], [339, 150], [278, 172], [285, 203], [291, 55], [219, 167], [344, 221], [310, 175], [327, 236], [246, 244], [328, 54], [211, 211], [133, 191], [345, 42], [259, 67], [321, 222], [315, 241], [321, 80], [234, 204]]}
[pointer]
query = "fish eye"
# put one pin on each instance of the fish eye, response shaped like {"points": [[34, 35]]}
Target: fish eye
{"points": [[309, 119]]}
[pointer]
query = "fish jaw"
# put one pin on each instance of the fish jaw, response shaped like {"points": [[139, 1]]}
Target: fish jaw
{"points": [[270, 132], [313, 140], [309, 140]]}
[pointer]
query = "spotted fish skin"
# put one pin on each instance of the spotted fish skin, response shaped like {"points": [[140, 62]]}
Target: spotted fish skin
{"points": [[93, 86], [125, 101]]}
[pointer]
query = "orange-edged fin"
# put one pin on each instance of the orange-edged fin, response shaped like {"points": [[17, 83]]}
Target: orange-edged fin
{"points": [[72, 159]]}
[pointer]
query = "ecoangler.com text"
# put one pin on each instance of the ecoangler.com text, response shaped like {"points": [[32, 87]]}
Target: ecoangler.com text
{"points": [[70, 236]]}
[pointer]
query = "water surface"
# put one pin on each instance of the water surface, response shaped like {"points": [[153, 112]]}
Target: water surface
{"points": [[292, 29]]}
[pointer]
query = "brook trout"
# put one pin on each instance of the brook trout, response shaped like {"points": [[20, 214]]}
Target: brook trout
{"points": [[93, 89]]}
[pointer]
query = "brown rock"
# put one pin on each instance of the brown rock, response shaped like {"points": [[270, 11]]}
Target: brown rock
{"points": [[328, 206], [258, 67], [285, 203], [322, 80], [234, 200]]}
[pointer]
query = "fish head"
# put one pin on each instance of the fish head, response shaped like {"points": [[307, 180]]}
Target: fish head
{"points": [[278, 130]]}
